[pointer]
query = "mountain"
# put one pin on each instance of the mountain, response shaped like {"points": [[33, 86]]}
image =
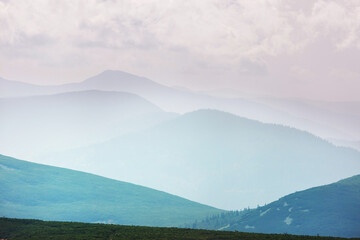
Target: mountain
{"points": [[330, 210], [343, 117], [30, 190], [217, 158], [329, 123], [108, 80], [16, 89], [36, 125], [340, 107], [345, 143]]}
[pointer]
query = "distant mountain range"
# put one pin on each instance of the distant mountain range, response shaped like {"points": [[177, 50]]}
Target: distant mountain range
{"points": [[36, 125], [217, 158], [330, 210], [10, 88], [340, 116], [328, 120], [35, 191]]}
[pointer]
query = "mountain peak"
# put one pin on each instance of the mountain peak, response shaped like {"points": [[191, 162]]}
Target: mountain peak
{"points": [[116, 74], [115, 77]]}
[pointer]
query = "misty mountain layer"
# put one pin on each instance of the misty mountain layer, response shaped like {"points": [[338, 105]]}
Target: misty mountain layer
{"points": [[217, 158], [37, 125], [328, 120]]}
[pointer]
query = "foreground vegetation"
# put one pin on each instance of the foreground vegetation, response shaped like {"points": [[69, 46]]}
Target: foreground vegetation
{"points": [[36, 229]]}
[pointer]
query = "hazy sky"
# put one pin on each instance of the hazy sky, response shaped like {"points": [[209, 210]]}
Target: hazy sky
{"points": [[308, 49]]}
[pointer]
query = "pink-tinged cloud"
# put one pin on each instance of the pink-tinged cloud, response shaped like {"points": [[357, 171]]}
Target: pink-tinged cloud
{"points": [[301, 49]]}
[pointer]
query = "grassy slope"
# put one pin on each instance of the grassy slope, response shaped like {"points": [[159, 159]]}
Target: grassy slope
{"points": [[18, 229], [332, 209], [30, 190]]}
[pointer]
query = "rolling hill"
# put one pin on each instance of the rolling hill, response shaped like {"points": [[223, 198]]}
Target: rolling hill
{"points": [[30, 190], [217, 158], [330, 210], [36, 125]]}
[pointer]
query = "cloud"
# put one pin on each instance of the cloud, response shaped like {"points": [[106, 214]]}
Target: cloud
{"points": [[338, 20], [152, 37], [225, 28]]}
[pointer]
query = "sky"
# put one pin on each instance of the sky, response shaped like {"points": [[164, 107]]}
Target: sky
{"points": [[299, 49]]}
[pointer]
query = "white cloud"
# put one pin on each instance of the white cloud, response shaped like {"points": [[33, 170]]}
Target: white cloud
{"points": [[156, 37], [339, 20], [234, 29]]}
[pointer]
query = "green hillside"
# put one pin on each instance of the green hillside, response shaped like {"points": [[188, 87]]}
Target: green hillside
{"points": [[19, 229], [30, 190], [330, 210]]}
